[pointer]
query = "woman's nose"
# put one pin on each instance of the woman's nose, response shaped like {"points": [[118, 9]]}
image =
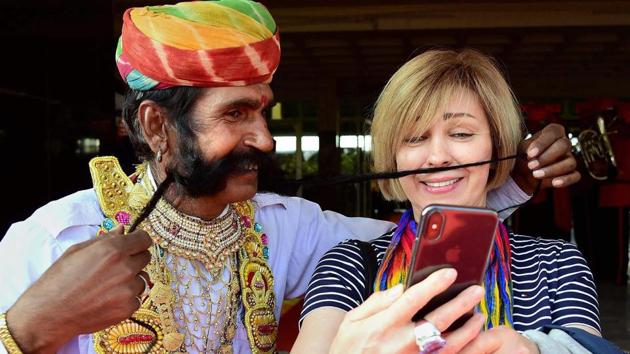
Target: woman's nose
{"points": [[438, 154]]}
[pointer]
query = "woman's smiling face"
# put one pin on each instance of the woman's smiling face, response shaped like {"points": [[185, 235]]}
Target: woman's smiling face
{"points": [[460, 134]]}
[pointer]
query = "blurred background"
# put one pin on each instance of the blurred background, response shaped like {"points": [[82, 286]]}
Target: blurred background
{"points": [[567, 61]]}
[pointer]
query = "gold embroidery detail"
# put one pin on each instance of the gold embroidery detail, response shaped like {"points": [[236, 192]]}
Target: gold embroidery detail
{"points": [[111, 185], [162, 297], [173, 341], [257, 288], [138, 196]]}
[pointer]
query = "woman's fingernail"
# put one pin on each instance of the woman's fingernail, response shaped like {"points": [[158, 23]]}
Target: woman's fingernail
{"points": [[533, 164], [476, 291], [533, 152], [449, 273], [539, 173]]}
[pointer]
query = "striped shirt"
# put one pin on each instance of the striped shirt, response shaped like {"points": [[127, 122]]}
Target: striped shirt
{"points": [[552, 283]]}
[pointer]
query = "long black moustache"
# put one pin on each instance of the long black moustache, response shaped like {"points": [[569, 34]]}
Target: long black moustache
{"points": [[197, 177], [268, 168]]}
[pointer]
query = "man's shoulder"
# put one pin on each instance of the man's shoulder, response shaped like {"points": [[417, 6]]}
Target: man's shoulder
{"points": [[51, 229], [270, 205], [280, 203], [77, 209]]}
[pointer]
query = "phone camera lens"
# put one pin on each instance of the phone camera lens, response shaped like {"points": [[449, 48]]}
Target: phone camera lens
{"points": [[434, 226]]}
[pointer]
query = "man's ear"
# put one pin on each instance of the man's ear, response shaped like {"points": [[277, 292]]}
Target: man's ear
{"points": [[153, 123]]}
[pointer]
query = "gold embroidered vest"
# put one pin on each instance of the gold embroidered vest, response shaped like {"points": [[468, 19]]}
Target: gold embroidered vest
{"points": [[152, 328]]}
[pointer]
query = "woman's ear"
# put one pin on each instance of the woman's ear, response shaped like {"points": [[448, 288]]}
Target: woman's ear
{"points": [[153, 123]]}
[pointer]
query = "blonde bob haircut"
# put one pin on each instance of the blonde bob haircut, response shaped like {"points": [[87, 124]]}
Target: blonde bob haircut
{"points": [[411, 99]]}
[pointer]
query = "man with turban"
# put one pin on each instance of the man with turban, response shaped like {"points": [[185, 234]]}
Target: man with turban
{"points": [[211, 259]]}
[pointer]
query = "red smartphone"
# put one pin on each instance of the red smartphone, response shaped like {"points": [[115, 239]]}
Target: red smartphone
{"points": [[452, 237]]}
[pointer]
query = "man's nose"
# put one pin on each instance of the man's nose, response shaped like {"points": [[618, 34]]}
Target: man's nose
{"points": [[260, 137]]}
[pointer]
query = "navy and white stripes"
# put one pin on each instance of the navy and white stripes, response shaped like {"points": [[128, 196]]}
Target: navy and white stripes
{"points": [[552, 283]]}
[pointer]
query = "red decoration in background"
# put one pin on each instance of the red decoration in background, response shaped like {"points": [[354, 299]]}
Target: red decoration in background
{"points": [[539, 115], [623, 109], [594, 106]]}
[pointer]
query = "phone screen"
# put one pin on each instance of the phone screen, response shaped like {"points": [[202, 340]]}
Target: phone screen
{"points": [[455, 237]]}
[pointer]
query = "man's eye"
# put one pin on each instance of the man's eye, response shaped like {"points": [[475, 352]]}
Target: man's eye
{"points": [[235, 114]]}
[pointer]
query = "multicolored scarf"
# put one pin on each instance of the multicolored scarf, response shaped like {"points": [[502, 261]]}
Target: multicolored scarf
{"points": [[200, 43], [497, 303]]}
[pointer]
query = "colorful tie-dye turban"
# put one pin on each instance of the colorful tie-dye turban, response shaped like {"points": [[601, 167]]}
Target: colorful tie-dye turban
{"points": [[201, 43]]}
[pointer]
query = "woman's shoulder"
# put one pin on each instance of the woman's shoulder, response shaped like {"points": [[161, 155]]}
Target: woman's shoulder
{"points": [[536, 252], [521, 239], [524, 245], [552, 283], [339, 280]]}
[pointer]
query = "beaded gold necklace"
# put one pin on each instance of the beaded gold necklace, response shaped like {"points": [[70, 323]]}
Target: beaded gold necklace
{"points": [[153, 328], [209, 242]]}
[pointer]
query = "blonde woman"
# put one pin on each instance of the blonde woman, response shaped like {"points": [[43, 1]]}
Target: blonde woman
{"points": [[446, 108]]}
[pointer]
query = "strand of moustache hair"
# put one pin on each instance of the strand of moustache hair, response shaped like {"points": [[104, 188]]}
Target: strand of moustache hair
{"points": [[327, 181], [311, 182]]}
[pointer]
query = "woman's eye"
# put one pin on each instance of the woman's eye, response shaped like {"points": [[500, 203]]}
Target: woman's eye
{"points": [[461, 135], [415, 140]]}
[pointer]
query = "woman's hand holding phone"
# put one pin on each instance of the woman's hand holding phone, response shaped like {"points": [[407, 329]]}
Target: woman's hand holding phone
{"points": [[382, 324]]}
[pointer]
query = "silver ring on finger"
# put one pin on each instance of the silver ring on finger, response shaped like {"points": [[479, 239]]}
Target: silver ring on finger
{"points": [[146, 290], [428, 337]]}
